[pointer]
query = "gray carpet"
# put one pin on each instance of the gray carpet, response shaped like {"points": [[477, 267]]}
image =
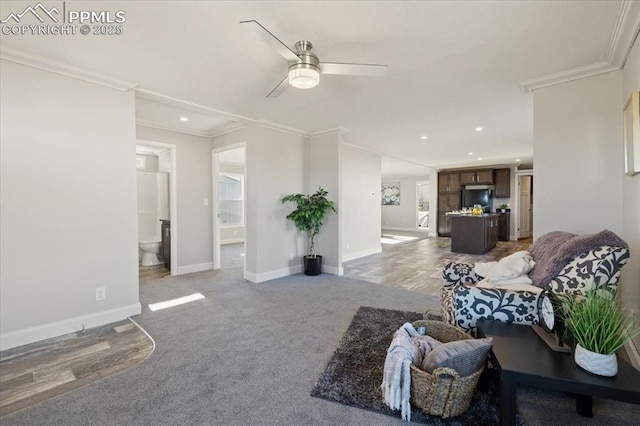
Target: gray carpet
{"points": [[250, 354]]}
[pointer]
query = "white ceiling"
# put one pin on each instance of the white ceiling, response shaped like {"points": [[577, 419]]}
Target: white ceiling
{"points": [[453, 66]]}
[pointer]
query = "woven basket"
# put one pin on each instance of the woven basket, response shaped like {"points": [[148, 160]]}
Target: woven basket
{"points": [[443, 393]]}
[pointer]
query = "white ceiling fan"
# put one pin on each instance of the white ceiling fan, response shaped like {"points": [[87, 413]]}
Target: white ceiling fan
{"points": [[304, 66]]}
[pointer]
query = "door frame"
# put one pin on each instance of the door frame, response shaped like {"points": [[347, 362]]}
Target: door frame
{"points": [[173, 199], [518, 174], [418, 228], [215, 212]]}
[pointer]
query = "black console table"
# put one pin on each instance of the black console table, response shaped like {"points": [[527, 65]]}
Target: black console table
{"points": [[524, 359]]}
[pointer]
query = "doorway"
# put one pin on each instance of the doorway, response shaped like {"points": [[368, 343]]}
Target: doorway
{"points": [[156, 164], [229, 183], [524, 198], [422, 208]]}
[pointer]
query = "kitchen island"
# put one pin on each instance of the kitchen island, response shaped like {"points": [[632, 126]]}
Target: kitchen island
{"points": [[473, 234]]}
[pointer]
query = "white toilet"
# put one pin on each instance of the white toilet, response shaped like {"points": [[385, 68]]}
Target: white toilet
{"points": [[150, 250]]}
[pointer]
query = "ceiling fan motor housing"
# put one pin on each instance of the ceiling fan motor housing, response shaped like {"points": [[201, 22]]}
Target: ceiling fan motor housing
{"points": [[308, 59], [304, 73]]}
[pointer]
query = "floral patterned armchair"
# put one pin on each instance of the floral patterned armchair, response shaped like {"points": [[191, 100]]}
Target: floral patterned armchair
{"points": [[463, 304]]}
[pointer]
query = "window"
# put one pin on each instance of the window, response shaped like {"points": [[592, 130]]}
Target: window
{"points": [[140, 163], [231, 193]]}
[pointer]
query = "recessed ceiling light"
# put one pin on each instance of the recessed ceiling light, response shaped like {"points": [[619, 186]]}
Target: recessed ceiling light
{"points": [[518, 160], [479, 129], [471, 153], [184, 119], [479, 158], [423, 137]]}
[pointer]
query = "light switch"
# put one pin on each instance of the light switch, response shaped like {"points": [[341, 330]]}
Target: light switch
{"points": [[206, 201]]}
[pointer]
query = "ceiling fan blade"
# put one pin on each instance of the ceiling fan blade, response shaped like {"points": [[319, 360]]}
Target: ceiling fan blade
{"points": [[373, 70], [271, 40], [284, 84]]}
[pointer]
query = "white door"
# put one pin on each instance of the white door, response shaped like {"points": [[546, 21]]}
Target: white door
{"points": [[526, 212]]}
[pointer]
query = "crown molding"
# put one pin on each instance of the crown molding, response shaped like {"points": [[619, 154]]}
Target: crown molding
{"points": [[72, 71], [225, 130], [334, 131], [362, 149], [151, 125], [624, 33], [282, 128], [623, 36], [189, 106], [567, 75]]}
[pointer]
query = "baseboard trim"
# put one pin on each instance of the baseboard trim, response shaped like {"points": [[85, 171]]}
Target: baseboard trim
{"points": [[272, 275], [398, 228], [232, 241], [58, 328], [194, 268], [352, 256], [333, 270]]}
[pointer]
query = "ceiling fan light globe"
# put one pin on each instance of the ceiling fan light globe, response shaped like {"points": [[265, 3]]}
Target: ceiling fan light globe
{"points": [[304, 78]]}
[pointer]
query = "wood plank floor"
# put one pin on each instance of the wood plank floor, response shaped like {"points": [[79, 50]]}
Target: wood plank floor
{"points": [[417, 264], [36, 372]]}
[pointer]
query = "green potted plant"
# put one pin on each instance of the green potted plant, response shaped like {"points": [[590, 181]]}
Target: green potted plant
{"points": [[599, 329], [309, 217]]}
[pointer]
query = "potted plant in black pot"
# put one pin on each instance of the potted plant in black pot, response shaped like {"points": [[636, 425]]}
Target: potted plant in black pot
{"points": [[309, 217]]}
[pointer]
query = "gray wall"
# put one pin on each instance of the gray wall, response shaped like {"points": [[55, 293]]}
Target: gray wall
{"points": [[324, 171], [275, 168], [68, 223], [360, 202], [578, 156]]}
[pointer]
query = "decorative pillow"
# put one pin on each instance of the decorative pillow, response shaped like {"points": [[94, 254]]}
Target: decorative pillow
{"points": [[464, 356]]}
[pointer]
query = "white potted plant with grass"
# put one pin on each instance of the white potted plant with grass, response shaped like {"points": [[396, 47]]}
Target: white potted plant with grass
{"points": [[599, 328]]}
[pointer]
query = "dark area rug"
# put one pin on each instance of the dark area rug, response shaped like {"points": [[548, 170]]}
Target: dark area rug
{"points": [[354, 374]]}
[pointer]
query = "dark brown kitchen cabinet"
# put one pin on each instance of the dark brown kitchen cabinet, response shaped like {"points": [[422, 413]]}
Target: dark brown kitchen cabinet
{"points": [[473, 177], [503, 183], [447, 202], [504, 226], [448, 182]]}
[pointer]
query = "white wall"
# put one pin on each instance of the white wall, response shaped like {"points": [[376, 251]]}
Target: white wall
{"points": [[404, 216], [324, 171], [360, 202], [68, 223], [578, 156], [193, 173], [630, 282], [275, 168]]}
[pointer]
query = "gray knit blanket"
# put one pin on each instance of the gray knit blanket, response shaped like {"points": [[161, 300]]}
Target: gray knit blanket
{"points": [[407, 347], [554, 250]]}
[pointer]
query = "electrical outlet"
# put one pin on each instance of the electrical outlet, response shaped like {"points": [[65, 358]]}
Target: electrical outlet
{"points": [[348, 245], [291, 256], [235, 233], [101, 293]]}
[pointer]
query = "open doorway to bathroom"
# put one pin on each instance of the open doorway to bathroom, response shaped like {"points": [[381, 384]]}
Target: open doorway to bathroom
{"points": [[229, 219], [155, 169]]}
